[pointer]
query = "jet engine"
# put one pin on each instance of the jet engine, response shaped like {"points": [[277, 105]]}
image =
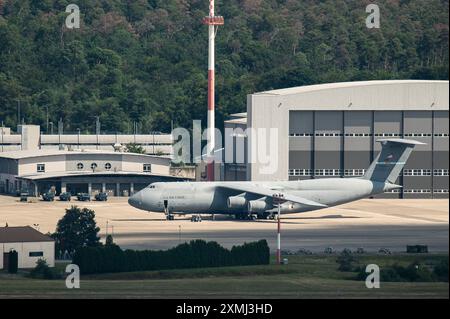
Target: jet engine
{"points": [[236, 202], [259, 206]]}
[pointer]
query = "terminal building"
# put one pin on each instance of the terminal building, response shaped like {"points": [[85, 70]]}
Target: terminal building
{"points": [[34, 163], [331, 130], [115, 173]]}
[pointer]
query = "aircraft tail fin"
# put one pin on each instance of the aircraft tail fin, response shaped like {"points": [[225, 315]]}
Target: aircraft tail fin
{"points": [[389, 163]]}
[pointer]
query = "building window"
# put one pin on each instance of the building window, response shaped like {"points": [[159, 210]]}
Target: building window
{"points": [[355, 172], [393, 191], [300, 172], [147, 168], [417, 172], [41, 168], [80, 166], [441, 172], [36, 254], [328, 172], [417, 191], [94, 166], [108, 166]]}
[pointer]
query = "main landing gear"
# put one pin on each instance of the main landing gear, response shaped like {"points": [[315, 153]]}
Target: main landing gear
{"points": [[196, 218], [246, 216]]}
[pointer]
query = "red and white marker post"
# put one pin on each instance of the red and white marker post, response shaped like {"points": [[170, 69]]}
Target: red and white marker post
{"points": [[212, 21], [278, 199]]}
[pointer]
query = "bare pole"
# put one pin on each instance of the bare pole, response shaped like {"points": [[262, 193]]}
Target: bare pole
{"points": [[279, 235], [278, 198], [3, 132]]}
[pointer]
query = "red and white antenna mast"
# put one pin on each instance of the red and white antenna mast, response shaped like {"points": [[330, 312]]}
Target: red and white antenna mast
{"points": [[212, 21]]}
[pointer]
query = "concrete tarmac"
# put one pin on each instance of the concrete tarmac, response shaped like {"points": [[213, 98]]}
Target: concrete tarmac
{"points": [[371, 224]]}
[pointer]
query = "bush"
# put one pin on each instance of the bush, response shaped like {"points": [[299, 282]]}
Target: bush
{"points": [[43, 271], [414, 272], [345, 261], [196, 254], [440, 271]]}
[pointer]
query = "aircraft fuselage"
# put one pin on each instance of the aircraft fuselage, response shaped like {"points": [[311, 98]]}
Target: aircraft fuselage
{"points": [[212, 198]]}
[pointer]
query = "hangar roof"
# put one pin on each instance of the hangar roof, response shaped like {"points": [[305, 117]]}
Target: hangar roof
{"points": [[38, 153], [35, 177], [22, 235], [328, 86]]}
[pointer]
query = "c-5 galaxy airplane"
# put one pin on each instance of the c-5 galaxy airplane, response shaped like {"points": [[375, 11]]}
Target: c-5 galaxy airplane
{"points": [[251, 200]]}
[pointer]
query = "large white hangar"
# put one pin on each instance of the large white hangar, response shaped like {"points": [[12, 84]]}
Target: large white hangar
{"points": [[115, 173], [331, 130]]}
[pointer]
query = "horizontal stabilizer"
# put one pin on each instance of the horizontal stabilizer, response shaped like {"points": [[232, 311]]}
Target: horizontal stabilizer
{"points": [[401, 141]]}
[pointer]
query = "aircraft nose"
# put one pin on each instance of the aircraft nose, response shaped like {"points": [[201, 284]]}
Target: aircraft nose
{"points": [[136, 200]]}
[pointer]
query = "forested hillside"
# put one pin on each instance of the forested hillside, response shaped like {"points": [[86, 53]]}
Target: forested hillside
{"points": [[146, 60]]}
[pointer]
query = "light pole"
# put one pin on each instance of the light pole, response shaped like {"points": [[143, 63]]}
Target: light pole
{"points": [[78, 137], [18, 112], [277, 200], [97, 130], [3, 132], [46, 107]]}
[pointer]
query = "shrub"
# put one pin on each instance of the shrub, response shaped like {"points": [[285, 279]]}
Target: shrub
{"points": [[414, 272], [440, 271], [345, 261], [43, 271]]}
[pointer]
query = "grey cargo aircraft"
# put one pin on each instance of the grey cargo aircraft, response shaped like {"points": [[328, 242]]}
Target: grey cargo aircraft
{"points": [[251, 200]]}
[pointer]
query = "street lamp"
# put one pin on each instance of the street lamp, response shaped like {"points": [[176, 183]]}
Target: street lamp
{"points": [[3, 132], [46, 107], [78, 129], [277, 200]]}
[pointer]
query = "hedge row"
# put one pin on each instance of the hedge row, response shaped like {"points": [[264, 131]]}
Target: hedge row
{"points": [[196, 254]]}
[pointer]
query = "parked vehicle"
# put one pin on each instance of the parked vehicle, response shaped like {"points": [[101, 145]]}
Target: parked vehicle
{"points": [[84, 197], [384, 251], [24, 197], [48, 197], [65, 197], [101, 197]]}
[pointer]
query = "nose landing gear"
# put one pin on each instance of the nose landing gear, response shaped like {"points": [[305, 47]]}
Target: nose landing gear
{"points": [[169, 216]]}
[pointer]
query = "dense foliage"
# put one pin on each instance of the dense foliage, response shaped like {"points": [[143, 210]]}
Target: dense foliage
{"points": [[76, 229], [146, 60], [196, 254], [44, 271], [415, 272]]}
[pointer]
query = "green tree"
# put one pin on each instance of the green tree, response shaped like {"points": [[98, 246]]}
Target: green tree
{"points": [[77, 228], [135, 148]]}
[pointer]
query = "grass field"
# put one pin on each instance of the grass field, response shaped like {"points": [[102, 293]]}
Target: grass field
{"points": [[304, 277]]}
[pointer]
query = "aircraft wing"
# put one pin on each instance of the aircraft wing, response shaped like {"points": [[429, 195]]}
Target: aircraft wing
{"points": [[263, 191]]}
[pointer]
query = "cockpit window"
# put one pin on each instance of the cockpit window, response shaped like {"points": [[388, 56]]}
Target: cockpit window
{"points": [[152, 186]]}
